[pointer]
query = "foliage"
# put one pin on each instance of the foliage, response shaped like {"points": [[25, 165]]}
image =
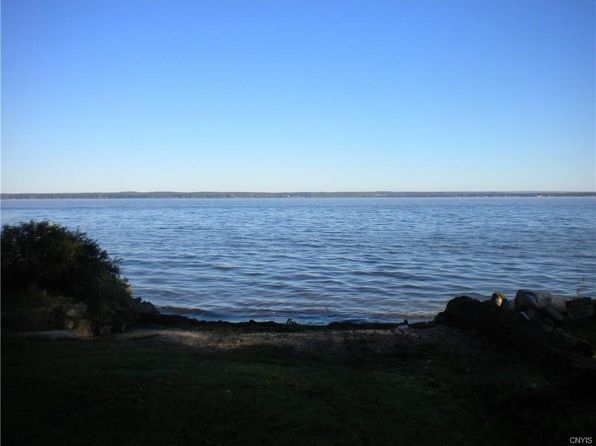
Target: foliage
{"points": [[46, 264]]}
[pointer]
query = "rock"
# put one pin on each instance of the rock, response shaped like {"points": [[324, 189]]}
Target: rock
{"points": [[536, 304], [558, 303], [73, 315], [498, 299], [528, 299], [579, 307], [77, 311], [69, 324], [520, 330], [144, 308], [501, 301], [83, 329]]}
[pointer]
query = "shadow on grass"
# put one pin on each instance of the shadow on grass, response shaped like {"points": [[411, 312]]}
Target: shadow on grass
{"points": [[104, 392]]}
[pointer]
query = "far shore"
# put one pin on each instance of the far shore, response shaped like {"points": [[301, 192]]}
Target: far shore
{"points": [[367, 194]]}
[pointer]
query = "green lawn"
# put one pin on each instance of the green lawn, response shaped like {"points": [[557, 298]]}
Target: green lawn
{"points": [[105, 392]]}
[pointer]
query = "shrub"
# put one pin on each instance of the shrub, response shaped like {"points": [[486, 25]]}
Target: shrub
{"points": [[46, 264]]}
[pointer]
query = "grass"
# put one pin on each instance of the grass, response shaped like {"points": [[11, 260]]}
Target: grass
{"points": [[106, 392]]}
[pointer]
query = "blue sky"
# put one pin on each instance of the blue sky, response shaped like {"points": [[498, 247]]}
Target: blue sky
{"points": [[412, 95]]}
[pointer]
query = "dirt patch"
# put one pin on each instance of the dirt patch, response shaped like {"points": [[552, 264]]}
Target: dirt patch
{"points": [[393, 341]]}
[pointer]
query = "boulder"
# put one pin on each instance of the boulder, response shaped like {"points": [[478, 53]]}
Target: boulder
{"points": [[580, 307], [77, 311], [144, 308], [515, 329], [74, 314], [537, 305], [69, 324], [526, 299], [83, 329]]}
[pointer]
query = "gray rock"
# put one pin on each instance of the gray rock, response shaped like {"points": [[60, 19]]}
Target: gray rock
{"points": [[77, 311], [143, 308], [536, 303], [528, 299]]}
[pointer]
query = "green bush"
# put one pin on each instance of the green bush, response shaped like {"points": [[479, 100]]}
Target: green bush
{"points": [[46, 264]]}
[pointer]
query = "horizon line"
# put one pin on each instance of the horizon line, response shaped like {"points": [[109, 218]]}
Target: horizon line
{"points": [[379, 193]]}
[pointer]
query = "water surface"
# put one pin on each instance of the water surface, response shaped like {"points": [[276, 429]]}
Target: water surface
{"points": [[316, 260]]}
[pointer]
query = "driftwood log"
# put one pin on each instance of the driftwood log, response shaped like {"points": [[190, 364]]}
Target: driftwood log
{"points": [[511, 329]]}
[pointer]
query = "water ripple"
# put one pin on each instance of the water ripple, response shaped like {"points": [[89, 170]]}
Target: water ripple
{"points": [[320, 260]]}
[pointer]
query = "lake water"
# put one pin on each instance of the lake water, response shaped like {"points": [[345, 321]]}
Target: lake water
{"points": [[317, 260]]}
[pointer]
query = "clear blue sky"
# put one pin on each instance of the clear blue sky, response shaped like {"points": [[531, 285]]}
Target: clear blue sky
{"points": [[412, 95]]}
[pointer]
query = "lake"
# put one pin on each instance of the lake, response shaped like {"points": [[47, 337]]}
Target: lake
{"points": [[324, 259]]}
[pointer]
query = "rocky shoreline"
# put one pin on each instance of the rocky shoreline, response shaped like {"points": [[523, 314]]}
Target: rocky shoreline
{"points": [[479, 373], [530, 325]]}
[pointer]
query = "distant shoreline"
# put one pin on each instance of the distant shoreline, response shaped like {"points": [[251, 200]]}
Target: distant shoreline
{"points": [[380, 194]]}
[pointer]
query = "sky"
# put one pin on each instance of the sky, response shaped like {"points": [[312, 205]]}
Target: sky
{"points": [[277, 96]]}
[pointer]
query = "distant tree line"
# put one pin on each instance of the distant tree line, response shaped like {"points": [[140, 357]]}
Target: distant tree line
{"points": [[379, 194]]}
